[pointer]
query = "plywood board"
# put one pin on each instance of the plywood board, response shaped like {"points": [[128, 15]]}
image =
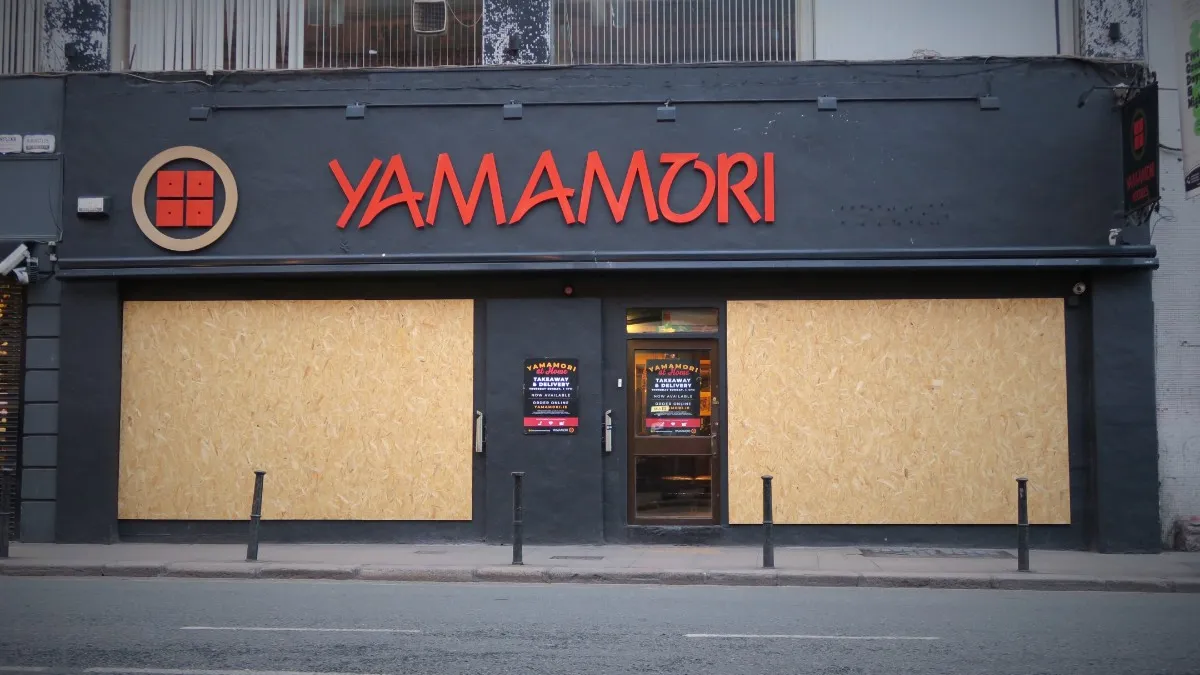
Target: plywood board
{"points": [[898, 411], [357, 410]]}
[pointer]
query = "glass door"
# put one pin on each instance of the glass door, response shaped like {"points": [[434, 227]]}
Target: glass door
{"points": [[673, 440]]}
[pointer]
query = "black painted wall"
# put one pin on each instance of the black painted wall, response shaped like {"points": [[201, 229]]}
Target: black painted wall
{"points": [[874, 179], [30, 189], [1112, 450], [1126, 432], [563, 494], [921, 180], [90, 407]]}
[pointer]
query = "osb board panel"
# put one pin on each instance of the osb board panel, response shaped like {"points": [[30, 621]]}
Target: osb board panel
{"points": [[357, 410], [897, 411]]}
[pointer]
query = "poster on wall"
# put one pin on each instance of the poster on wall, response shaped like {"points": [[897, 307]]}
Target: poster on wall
{"points": [[1187, 45], [551, 396], [672, 398]]}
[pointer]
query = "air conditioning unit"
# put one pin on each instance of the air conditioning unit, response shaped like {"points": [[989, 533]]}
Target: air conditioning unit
{"points": [[429, 16]]}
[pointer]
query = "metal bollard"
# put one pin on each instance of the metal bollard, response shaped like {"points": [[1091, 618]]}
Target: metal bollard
{"points": [[255, 517], [518, 520], [6, 496], [1022, 525], [768, 525]]}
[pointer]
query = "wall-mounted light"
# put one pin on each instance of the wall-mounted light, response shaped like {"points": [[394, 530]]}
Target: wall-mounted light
{"points": [[93, 207], [356, 111], [827, 103], [199, 113]]}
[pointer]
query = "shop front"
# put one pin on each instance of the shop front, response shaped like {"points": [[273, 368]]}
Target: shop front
{"points": [[889, 286]]}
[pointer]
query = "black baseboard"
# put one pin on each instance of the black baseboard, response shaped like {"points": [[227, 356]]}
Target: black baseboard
{"points": [[1048, 537], [298, 531]]}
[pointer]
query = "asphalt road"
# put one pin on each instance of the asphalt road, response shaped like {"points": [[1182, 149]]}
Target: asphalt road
{"points": [[182, 627]]}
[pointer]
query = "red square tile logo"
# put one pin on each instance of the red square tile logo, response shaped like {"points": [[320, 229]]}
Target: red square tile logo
{"points": [[169, 185], [184, 199], [169, 213]]}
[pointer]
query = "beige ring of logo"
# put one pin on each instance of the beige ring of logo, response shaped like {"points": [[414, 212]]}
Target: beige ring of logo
{"points": [[143, 181]]}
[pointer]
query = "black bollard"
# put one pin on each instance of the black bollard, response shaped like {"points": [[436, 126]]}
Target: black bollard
{"points": [[518, 520], [768, 525], [255, 517], [1022, 525], [6, 496]]}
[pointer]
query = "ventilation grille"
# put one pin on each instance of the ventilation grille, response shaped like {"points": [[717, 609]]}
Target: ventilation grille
{"points": [[429, 16], [12, 341]]}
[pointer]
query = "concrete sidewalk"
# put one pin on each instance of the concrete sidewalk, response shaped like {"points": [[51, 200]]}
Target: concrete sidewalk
{"points": [[794, 566]]}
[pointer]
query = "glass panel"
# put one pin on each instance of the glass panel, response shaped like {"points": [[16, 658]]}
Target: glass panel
{"points": [[675, 31], [643, 321], [673, 392], [677, 486]]}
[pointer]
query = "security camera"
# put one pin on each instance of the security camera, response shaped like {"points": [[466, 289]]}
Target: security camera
{"points": [[18, 256], [1079, 288]]}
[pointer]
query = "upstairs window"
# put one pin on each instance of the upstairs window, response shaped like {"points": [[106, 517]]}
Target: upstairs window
{"points": [[165, 35], [21, 31]]}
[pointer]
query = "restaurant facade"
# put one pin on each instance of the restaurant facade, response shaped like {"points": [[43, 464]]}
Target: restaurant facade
{"points": [[893, 287]]}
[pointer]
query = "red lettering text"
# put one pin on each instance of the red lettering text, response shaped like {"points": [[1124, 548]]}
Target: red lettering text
{"points": [[719, 184], [529, 199], [638, 171], [444, 173]]}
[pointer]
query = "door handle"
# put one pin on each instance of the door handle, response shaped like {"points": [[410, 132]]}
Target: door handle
{"points": [[607, 431], [478, 431]]}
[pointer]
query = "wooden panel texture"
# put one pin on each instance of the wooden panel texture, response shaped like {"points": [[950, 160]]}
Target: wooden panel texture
{"points": [[357, 410], [898, 411]]}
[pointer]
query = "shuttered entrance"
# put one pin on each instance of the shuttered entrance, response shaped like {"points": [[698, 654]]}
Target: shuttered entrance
{"points": [[12, 361]]}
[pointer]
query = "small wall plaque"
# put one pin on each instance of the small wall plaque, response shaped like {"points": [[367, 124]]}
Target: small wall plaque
{"points": [[39, 143], [10, 143]]}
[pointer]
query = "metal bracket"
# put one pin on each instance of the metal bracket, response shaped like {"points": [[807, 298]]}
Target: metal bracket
{"points": [[608, 431], [513, 111], [989, 102], [827, 103], [478, 431]]}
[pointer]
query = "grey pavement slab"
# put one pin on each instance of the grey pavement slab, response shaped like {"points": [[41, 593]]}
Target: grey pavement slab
{"points": [[797, 566]]}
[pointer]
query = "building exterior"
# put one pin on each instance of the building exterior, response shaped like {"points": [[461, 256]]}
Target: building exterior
{"points": [[1177, 309], [890, 285]]}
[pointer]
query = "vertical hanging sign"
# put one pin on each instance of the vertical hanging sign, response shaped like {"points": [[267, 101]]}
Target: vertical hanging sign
{"points": [[1187, 45], [1139, 120], [551, 396], [672, 398]]}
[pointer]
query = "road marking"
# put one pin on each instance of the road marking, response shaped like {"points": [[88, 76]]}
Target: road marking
{"points": [[187, 671], [809, 637], [270, 629]]}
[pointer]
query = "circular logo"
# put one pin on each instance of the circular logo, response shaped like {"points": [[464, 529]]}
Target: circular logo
{"points": [[185, 199]]}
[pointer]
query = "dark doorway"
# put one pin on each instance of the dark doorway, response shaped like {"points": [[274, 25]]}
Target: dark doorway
{"points": [[563, 493], [674, 440]]}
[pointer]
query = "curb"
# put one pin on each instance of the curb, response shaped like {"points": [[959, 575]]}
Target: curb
{"points": [[1015, 581]]}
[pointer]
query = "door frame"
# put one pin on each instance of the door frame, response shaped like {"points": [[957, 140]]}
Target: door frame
{"points": [[666, 342]]}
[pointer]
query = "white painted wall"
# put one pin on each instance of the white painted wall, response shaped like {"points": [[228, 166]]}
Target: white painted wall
{"points": [[878, 30], [1176, 233]]}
